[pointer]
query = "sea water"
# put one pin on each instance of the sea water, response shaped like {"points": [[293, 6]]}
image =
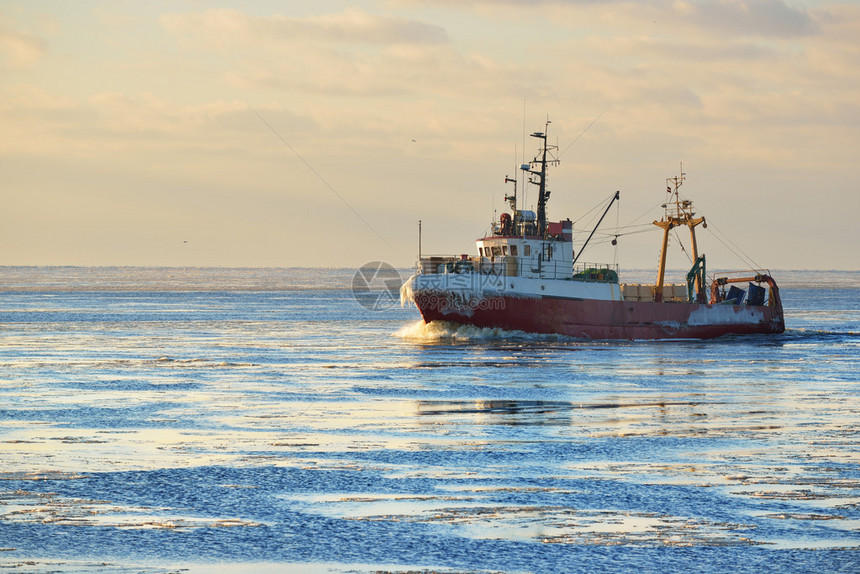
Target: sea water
{"points": [[268, 420]]}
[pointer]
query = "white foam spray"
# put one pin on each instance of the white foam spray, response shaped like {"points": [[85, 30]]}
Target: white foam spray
{"points": [[448, 331]]}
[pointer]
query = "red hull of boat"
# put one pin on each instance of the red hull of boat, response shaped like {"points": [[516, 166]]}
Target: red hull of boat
{"points": [[594, 319]]}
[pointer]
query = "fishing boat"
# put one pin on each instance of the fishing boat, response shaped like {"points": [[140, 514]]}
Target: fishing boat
{"points": [[527, 276]]}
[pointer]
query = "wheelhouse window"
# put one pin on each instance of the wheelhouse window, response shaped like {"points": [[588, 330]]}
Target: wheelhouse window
{"points": [[504, 249], [527, 250], [481, 251], [514, 250], [496, 251]]}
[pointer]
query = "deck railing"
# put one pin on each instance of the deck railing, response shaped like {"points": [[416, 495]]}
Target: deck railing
{"points": [[511, 266]]}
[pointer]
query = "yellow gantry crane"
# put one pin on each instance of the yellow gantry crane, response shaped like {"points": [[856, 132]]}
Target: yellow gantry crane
{"points": [[679, 212]]}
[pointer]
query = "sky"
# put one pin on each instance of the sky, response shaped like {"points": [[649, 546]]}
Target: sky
{"points": [[318, 134]]}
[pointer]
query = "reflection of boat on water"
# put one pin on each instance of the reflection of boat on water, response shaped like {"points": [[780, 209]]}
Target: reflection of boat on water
{"points": [[527, 277], [529, 408], [497, 407]]}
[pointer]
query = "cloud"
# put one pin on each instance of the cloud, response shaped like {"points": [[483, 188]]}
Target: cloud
{"points": [[747, 17], [27, 98], [666, 67], [348, 53], [353, 26], [395, 71], [119, 127], [729, 18], [351, 53], [20, 49]]}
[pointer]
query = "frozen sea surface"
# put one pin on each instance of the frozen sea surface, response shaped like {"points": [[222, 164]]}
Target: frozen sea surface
{"points": [[261, 420]]}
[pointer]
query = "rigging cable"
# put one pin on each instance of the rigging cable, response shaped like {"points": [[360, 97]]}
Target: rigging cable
{"points": [[320, 177], [739, 253], [582, 133], [681, 245], [734, 248], [596, 207], [647, 211]]}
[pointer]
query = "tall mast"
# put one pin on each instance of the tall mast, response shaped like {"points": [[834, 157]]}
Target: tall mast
{"points": [[542, 161], [677, 212], [542, 195]]}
